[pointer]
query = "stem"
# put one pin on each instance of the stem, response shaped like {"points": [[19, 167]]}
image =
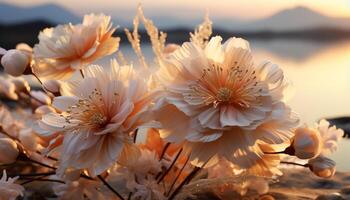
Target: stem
{"points": [[41, 164], [81, 73], [34, 174], [178, 176], [37, 78], [187, 179], [44, 180], [169, 168], [164, 150], [297, 164], [110, 187], [135, 135]]}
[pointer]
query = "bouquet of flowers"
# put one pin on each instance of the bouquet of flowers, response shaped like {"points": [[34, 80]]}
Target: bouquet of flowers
{"points": [[202, 116]]}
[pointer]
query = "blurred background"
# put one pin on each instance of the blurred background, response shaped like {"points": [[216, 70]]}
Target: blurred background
{"points": [[310, 40]]}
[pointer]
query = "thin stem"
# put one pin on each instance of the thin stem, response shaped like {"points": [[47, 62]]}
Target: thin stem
{"points": [[44, 180], [135, 135], [164, 151], [81, 73], [187, 180], [292, 163], [37, 78], [169, 168], [34, 174], [41, 164], [178, 176], [110, 187]]}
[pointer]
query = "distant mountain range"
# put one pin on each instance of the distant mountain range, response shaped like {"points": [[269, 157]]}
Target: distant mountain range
{"points": [[10, 14], [294, 19]]}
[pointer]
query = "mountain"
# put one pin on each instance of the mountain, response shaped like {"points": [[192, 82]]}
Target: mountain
{"points": [[11, 14], [293, 19]]}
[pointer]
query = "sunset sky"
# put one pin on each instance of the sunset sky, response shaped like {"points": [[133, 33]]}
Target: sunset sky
{"points": [[246, 9]]}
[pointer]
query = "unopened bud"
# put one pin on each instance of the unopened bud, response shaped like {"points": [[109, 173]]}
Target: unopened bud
{"points": [[15, 62]]}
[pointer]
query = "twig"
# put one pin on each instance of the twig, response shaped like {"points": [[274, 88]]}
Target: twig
{"points": [[297, 164], [81, 73], [187, 179], [169, 168], [37, 78], [110, 187], [164, 151], [178, 176], [135, 135]]}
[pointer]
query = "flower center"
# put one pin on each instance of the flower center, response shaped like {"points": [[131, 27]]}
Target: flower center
{"points": [[224, 94], [98, 119]]}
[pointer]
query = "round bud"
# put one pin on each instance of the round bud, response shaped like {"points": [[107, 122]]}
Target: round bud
{"points": [[8, 151], [15, 62]]}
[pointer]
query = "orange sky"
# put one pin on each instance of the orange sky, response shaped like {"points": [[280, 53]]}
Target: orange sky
{"points": [[216, 8]]}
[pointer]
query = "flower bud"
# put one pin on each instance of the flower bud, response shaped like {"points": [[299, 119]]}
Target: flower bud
{"points": [[8, 89], [41, 97], [52, 86], [307, 143], [21, 85], [43, 110], [322, 167], [15, 62], [2, 51], [8, 151]]}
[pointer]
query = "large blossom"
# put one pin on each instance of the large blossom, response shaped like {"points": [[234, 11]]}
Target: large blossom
{"points": [[66, 48], [223, 103], [98, 115], [9, 190]]}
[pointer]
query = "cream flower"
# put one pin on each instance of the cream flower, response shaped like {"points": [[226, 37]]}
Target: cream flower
{"points": [[223, 103], [9, 190], [8, 150], [80, 190], [97, 116], [330, 137], [66, 48]]}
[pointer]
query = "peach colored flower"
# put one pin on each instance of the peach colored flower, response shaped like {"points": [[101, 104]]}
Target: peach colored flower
{"points": [[8, 89], [221, 103], [81, 189], [67, 48], [8, 150], [97, 116], [330, 137], [9, 190]]}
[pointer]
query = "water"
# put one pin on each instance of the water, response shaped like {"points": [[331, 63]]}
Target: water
{"points": [[319, 73]]}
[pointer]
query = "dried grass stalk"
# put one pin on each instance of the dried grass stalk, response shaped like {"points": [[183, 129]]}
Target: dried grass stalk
{"points": [[202, 33]]}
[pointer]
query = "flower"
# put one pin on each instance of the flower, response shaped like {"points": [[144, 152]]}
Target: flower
{"points": [[322, 167], [9, 190], [41, 97], [21, 85], [15, 62], [97, 116], [80, 190], [8, 150], [146, 189], [307, 143], [52, 86], [223, 103], [330, 137], [8, 89], [66, 48]]}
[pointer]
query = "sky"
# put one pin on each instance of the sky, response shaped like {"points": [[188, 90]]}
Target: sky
{"points": [[242, 9]]}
